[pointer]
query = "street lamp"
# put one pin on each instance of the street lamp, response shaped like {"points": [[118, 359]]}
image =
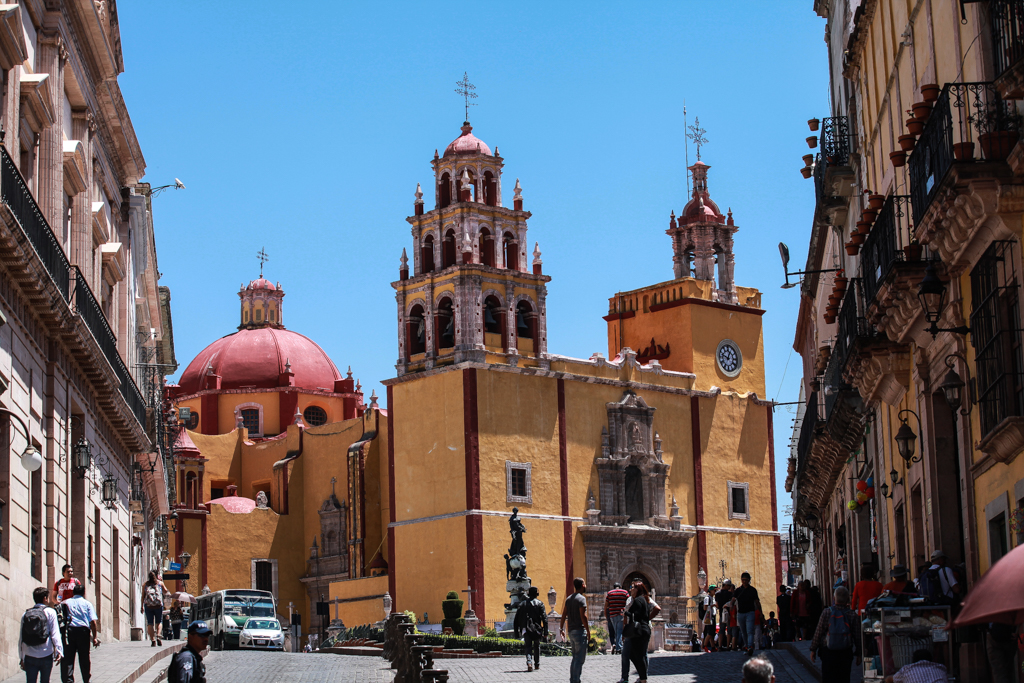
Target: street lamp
{"points": [[110, 491], [702, 579], [953, 385], [905, 438], [31, 459], [932, 294], [884, 490], [804, 541], [81, 457]]}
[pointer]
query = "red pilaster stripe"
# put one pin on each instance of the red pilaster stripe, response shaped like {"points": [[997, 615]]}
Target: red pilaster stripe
{"points": [[474, 523], [698, 482], [206, 554], [392, 560], [775, 511], [563, 471]]}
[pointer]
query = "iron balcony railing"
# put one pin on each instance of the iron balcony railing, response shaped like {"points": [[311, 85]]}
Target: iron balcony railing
{"points": [[884, 246], [835, 151], [831, 382], [964, 113], [15, 194], [853, 328], [89, 310], [807, 430], [1007, 24]]}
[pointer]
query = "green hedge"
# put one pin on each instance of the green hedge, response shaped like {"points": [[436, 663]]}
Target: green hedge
{"points": [[506, 646]]}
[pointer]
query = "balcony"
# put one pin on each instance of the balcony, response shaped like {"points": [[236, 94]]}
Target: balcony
{"points": [[808, 430], [63, 300], [963, 190], [1007, 25], [833, 176]]}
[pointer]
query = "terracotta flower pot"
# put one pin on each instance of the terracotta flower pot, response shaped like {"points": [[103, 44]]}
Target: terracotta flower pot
{"points": [[907, 142], [858, 238], [812, 141], [963, 151], [852, 249], [833, 301], [930, 92], [863, 227], [912, 252], [813, 124], [841, 282], [898, 158], [876, 201], [915, 126], [869, 215], [829, 319], [806, 171], [922, 110], [997, 146], [808, 159]]}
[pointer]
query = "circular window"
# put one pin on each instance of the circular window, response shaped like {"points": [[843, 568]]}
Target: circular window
{"points": [[314, 416], [729, 358]]}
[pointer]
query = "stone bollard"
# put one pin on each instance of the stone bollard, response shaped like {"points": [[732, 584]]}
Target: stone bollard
{"points": [[554, 621], [657, 643], [472, 624]]}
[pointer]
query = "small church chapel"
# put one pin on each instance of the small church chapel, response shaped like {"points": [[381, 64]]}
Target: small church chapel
{"points": [[654, 461]]}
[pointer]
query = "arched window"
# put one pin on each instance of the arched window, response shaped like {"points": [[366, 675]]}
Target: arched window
{"points": [[191, 491], [635, 494], [486, 247], [314, 416], [494, 317], [259, 314], [511, 251], [416, 331], [526, 321], [427, 255], [444, 324], [490, 189], [448, 250], [270, 315], [245, 317], [446, 190]]}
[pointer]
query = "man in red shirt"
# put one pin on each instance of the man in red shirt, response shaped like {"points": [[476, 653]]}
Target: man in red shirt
{"points": [[614, 606], [64, 588]]}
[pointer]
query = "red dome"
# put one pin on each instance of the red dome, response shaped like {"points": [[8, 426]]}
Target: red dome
{"points": [[467, 143], [236, 505], [262, 283], [257, 357]]}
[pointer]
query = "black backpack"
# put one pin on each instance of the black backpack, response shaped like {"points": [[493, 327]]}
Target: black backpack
{"points": [[35, 627]]}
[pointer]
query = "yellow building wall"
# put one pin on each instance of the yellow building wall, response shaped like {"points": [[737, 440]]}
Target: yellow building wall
{"points": [[226, 404], [363, 600], [430, 561]]}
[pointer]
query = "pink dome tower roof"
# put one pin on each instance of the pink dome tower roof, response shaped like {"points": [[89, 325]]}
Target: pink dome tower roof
{"points": [[467, 143]]}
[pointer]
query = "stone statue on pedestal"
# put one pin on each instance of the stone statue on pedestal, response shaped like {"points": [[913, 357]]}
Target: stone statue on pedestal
{"points": [[518, 582]]}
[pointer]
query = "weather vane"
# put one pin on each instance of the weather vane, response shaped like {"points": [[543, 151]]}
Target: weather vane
{"points": [[696, 134], [466, 90], [263, 258]]}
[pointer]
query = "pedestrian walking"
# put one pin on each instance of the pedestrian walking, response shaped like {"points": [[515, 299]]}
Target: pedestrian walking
{"points": [[39, 644], [801, 597], [636, 630], [901, 582], [153, 592], [532, 624], [1001, 646], [783, 603], [64, 587], [723, 599], [758, 670], [708, 620], [82, 634], [771, 631], [575, 612], [746, 613], [939, 582], [614, 606], [835, 639], [187, 663], [177, 616], [866, 589]]}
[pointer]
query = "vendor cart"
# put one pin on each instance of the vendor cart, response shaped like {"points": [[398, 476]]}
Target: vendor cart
{"points": [[891, 635]]}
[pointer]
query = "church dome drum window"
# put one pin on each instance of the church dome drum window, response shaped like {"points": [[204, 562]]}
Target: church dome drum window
{"points": [[251, 420], [314, 416]]}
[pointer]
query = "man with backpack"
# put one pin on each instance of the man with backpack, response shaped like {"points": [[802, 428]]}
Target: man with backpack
{"points": [[837, 639], [39, 644], [939, 583], [532, 623], [82, 632]]}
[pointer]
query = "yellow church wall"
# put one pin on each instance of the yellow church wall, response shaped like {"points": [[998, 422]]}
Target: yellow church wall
{"points": [[744, 553], [223, 459], [710, 327], [430, 452], [998, 483], [192, 543], [258, 465], [429, 554], [362, 599]]}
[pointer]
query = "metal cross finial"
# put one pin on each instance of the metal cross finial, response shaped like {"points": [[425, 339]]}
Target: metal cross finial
{"points": [[466, 90], [263, 258], [334, 480], [696, 135]]}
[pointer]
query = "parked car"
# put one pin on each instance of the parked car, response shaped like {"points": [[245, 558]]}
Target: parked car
{"points": [[261, 633]]}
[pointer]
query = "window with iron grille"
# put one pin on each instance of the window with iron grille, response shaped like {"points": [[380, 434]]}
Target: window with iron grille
{"points": [[251, 420], [518, 487], [996, 335], [314, 416]]}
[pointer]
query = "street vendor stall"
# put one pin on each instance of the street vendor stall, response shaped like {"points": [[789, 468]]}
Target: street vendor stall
{"points": [[891, 634]]}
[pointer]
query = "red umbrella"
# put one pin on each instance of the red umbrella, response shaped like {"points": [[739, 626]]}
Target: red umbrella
{"points": [[999, 594]]}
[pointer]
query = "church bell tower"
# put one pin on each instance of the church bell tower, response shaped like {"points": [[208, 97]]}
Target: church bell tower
{"points": [[470, 295]]}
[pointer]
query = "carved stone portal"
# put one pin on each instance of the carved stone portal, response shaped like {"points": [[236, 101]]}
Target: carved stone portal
{"points": [[631, 473]]}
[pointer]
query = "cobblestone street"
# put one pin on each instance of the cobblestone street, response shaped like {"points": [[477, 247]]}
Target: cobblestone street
{"points": [[267, 667]]}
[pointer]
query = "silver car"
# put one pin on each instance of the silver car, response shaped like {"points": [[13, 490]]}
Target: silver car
{"points": [[262, 633]]}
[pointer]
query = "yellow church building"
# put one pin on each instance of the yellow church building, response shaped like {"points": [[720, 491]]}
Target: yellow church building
{"points": [[653, 462]]}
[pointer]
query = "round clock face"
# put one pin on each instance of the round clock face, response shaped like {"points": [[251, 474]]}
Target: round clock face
{"points": [[729, 358]]}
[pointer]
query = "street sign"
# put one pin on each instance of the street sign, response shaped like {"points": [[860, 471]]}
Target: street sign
{"points": [[175, 577], [175, 566]]}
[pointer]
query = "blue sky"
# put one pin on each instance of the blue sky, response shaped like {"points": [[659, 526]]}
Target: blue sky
{"points": [[304, 128]]}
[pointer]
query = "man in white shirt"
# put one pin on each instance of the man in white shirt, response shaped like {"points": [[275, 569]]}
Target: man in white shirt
{"points": [[39, 644], [947, 579], [83, 627]]}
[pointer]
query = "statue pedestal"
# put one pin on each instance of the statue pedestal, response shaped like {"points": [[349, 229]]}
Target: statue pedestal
{"points": [[554, 621], [517, 589], [472, 624]]}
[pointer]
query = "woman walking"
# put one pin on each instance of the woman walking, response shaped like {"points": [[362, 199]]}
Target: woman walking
{"points": [[176, 618], [153, 592], [637, 628]]}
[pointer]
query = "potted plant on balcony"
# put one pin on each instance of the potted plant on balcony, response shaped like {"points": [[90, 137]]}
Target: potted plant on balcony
{"points": [[812, 141], [922, 110], [898, 158], [997, 145], [852, 249], [840, 281], [808, 159], [963, 151], [869, 215], [876, 201], [998, 132], [806, 171], [858, 238], [930, 92], [907, 142], [813, 124], [912, 252], [863, 227], [915, 126]]}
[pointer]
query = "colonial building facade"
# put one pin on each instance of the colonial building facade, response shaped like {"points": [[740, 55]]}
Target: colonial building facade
{"points": [[85, 332], [909, 324]]}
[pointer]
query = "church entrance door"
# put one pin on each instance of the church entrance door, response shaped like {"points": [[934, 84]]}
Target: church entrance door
{"points": [[635, 494]]}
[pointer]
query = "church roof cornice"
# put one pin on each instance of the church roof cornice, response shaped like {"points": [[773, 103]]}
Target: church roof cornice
{"points": [[468, 209]]}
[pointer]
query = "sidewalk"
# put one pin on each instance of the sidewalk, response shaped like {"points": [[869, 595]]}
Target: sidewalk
{"points": [[118, 662], [801, 650]]}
